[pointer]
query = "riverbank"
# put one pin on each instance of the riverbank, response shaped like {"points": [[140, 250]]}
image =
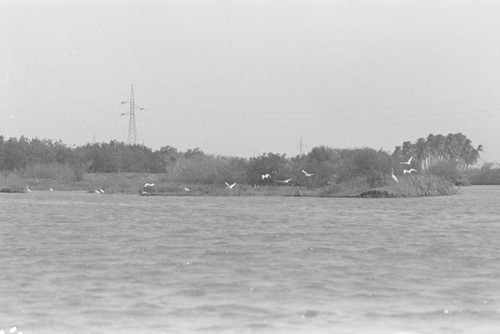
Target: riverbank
{"points": [[134, 183]]}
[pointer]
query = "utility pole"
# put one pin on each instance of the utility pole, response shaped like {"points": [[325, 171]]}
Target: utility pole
{"points": [[132, 130]]}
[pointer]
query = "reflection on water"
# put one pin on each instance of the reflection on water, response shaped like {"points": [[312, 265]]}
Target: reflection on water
{"points": [[88, 263]]}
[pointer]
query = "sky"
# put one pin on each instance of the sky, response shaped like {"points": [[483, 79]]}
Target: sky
{"points": [[244, 78]]}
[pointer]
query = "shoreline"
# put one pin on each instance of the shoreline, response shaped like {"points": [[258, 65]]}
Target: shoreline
{"points": [[136, 184]]}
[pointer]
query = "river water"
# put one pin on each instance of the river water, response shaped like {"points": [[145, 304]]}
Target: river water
{"points": [[89, 263]]}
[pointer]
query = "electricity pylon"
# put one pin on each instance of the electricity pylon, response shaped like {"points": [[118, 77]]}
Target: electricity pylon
{"points": [[132, 130]]}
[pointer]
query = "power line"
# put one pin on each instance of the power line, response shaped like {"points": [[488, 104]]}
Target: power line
{"points": [[338, 111], [401, 120]]}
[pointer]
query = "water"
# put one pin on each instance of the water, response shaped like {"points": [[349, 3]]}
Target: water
{"points": [[88, 263]]}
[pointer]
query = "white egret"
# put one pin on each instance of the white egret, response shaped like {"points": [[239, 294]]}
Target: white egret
{"points": [[187, 189], [265, 176], [409, 171], [285, 181], [51, 189], [407, 162], [393, 176], [306, 174], [149, 185], [230, 186]]}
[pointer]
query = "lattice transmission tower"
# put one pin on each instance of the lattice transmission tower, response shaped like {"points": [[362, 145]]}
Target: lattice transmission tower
{"points": [[132, 129]]}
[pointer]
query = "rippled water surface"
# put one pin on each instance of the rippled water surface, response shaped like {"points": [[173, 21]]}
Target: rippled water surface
{"points": [[88, 263]]}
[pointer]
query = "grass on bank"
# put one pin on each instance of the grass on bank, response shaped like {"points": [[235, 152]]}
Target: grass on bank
{"points": [[408, 186]]}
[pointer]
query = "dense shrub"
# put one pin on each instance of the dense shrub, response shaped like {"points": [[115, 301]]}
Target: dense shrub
{"points": [[53, 171], [273, 164], [447, 170], [10, 182], [484, 176]]}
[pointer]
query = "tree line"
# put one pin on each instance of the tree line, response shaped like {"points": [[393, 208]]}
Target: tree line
{"points": [[329, 165], [436, 149]]}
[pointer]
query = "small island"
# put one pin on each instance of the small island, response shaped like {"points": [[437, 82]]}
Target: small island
{"points": [[433, 166]]}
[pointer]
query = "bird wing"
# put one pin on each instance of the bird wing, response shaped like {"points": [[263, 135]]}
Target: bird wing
{"points": [[406, 162]]}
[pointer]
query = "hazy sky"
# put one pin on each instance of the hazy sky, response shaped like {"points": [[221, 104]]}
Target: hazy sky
{"points": [[247, 77]]}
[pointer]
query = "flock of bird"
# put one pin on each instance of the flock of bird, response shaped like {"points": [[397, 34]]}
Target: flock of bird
{"points": [[405, 171], [231, 186], [263, 177]]}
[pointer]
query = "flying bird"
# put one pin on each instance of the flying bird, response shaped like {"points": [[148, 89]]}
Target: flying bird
{"points": [[285, 181], [407, 162], [409, 171], [307, 174], [149, 185], [393, 176], [230, 186], [265, 176]]}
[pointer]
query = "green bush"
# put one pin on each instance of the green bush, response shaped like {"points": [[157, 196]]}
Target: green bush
{"points": [[484, 176], [78, 172], [447, 170], [351, 187], [53, 171], [11, 183]]}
